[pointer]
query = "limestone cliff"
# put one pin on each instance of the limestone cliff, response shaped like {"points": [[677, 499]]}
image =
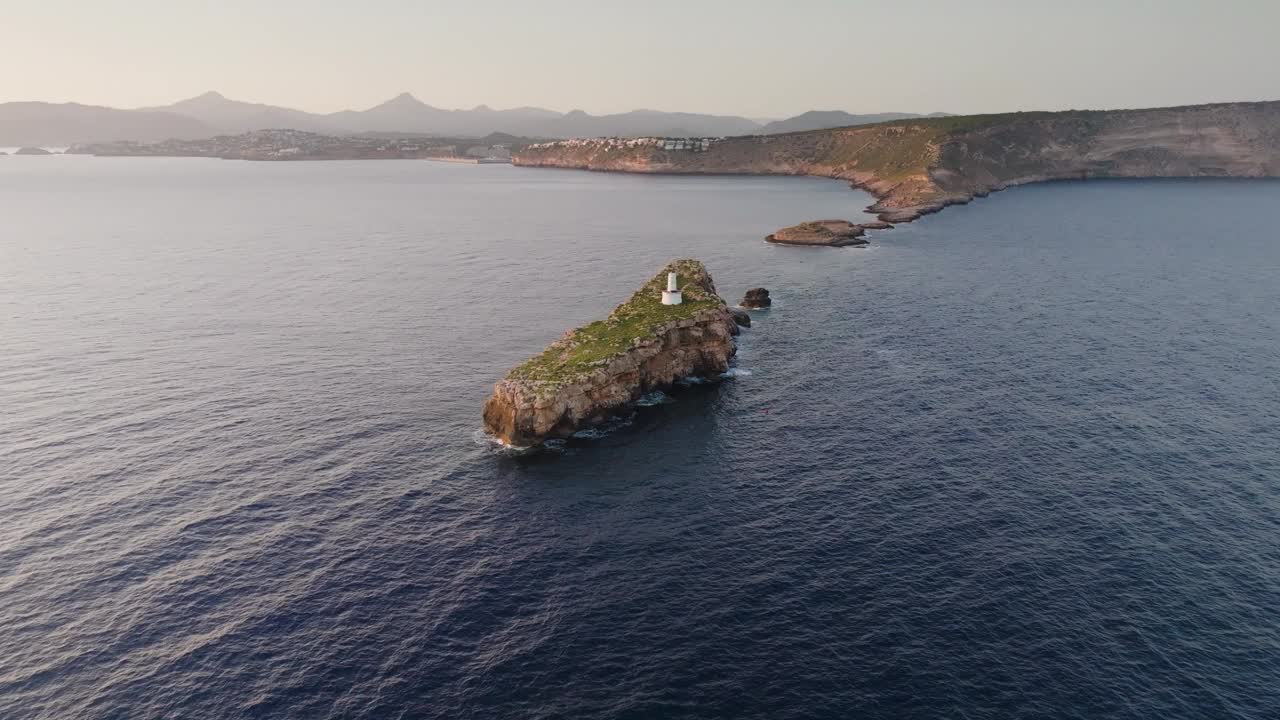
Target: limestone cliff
{"points": [[919, 166], [601, 370]]}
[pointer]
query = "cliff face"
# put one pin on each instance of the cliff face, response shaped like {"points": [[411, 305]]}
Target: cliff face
{"points": [[919, 166], [601, 370]]}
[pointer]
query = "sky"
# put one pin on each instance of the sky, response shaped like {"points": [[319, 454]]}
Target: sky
{"points": [[756, 59]]}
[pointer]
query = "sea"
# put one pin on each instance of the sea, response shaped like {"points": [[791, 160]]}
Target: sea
{"points": [[1019, 459]]}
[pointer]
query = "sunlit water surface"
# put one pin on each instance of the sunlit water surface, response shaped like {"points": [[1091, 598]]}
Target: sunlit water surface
{"points": [[1019, 459]]}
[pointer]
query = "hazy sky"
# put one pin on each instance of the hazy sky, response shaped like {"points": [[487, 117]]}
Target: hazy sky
{"points": [[760, 59]]}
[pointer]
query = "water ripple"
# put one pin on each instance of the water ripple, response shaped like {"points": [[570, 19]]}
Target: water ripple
{"points": [[1020, 461]]}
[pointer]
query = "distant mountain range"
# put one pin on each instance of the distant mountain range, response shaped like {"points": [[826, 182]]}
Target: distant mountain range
{"points": [[36, 123]]}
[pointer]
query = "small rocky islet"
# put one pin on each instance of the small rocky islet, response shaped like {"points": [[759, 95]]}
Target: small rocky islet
{"points": [[601, 370], [756, 299], [826, 233]]}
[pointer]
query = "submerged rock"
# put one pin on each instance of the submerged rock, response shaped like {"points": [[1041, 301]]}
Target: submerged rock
{"points": [[601, 370], [740, 316], [756, 298], [832, 233]]}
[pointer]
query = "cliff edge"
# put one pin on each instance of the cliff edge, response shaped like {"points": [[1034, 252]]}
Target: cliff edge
{"points": [[600, 370], [918, 166]]}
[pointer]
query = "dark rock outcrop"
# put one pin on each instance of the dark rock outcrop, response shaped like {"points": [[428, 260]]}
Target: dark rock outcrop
{"points": [[756, 298], [600, 370], [830, 233], [740, 316]]}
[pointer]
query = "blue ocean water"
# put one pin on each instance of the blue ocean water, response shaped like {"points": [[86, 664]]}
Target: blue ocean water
{"points": [[1018, 459]]}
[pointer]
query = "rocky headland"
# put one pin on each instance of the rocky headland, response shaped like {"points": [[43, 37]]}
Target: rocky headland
{"points": [[599, 371], [830, 233], [921, 165]]}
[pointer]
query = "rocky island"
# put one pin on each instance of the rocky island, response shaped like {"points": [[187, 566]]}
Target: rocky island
{"points": [[921, 165], [757, 299], [830, 233], [600, 370], [31, 151]]}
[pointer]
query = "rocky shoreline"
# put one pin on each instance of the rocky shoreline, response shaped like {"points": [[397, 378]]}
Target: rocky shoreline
{"points": [[920, 166], [601, 370]]}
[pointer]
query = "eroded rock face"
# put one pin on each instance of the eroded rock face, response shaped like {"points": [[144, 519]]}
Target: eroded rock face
{"points": [[556, 394], [756, 298], [740, 316], [831, 233]]}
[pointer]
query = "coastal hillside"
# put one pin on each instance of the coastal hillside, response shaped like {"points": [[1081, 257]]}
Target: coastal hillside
{"points": [[824, 119], [917, 166]]}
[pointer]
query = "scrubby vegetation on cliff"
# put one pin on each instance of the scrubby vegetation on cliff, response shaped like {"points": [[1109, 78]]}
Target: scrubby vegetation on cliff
{"points": [[892, 153], [601, 370], [589, 347], [920, 165]]}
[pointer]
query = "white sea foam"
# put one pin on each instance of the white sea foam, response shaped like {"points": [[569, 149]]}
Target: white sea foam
{"points": [[590, 434], [484, 439], [692, 380], [657, 397], [735, 372], [604, 430]]}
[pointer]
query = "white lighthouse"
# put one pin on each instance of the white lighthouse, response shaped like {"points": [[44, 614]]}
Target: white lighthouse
{"points": [[671, 296]]}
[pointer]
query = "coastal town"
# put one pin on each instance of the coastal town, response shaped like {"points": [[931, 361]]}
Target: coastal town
{"points": [[301, 145], [696, 144], [298, 145]]}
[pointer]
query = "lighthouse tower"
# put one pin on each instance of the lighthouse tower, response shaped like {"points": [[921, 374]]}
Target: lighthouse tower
{"points": [[671, 296]]}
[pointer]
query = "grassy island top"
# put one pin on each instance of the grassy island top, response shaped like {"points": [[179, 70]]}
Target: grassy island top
{"points": [[591, 346]]}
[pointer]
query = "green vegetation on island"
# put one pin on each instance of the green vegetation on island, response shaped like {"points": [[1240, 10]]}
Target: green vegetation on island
{"points": [[587, 348]]}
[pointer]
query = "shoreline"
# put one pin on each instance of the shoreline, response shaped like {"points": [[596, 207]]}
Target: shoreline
{"points": [[458, 160], [901, 216], [920, 167], [892, 215]]}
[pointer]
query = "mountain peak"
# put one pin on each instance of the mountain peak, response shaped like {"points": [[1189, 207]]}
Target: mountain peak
{"points": [[404, 98], [206, 101]]}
